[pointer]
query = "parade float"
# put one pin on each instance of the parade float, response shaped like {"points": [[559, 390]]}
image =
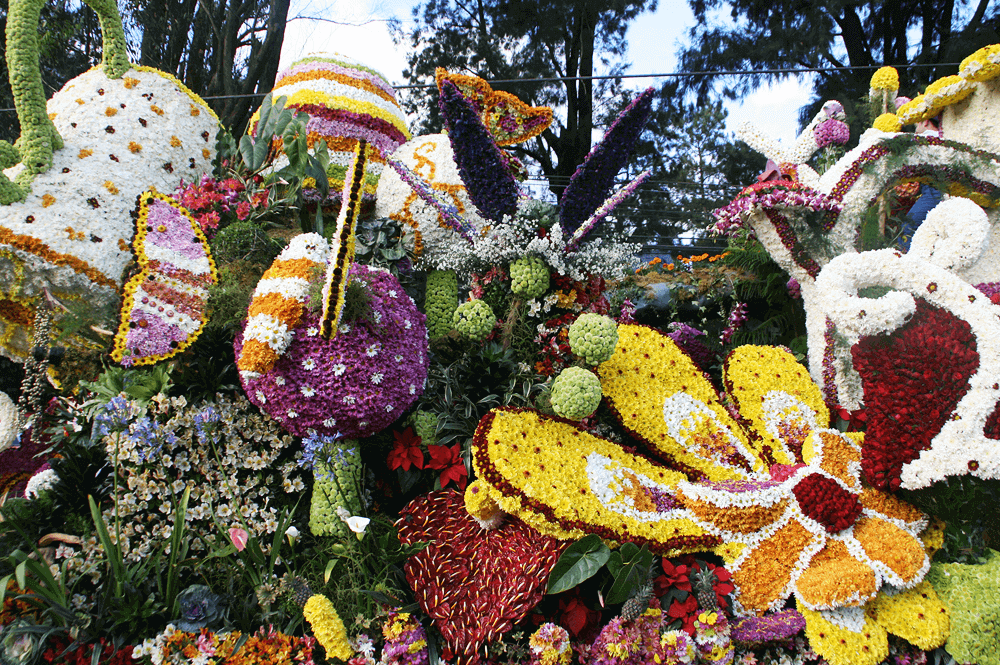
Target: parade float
{"points": [[295, 425]]}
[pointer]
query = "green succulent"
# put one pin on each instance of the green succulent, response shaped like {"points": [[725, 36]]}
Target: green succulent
{"points": [[529, 277], [593, 337], [576, 392], [440, 302], [474, 320]]}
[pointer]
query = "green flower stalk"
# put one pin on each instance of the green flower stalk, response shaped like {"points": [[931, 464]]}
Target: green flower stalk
{"points": [[441, 301], [337, 469]]}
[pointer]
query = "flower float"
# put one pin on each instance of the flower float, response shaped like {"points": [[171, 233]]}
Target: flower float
{"points": [[923, 424], [65, 223], [474, 584], [776, 493], [346, 102], [164, 305], [353, 384]]}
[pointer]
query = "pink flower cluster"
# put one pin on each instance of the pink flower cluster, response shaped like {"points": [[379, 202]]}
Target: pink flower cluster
{"points": [[771, 195], [217, 203]]}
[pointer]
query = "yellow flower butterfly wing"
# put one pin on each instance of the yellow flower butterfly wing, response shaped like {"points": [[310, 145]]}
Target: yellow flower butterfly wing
{"points": [[777, 400], [663, 398], [567, 483]]}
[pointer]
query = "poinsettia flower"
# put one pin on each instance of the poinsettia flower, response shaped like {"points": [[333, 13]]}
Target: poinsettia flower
{"points": [[686, 611], [449, 459], [406, 451]]}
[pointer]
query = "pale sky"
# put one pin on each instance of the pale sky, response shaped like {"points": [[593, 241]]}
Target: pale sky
{"points": [[654, 39]]}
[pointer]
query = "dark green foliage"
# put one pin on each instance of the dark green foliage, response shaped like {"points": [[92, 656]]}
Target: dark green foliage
{"points": [[967, 505], [245, 241], [749, 36], [775, 317], [207, 367]]}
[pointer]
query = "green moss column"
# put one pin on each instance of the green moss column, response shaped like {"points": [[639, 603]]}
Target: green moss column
{"points": [[337, 484], [440, 302]]}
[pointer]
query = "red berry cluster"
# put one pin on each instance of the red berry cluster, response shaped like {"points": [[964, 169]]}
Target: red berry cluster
{"points": [[824, 500], [913, 379]]}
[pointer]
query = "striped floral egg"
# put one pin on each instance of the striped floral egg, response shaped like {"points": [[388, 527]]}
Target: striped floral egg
{"points": [[345, 101]]}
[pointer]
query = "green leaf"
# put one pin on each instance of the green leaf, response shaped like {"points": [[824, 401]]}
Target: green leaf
{"points": [[19, 574], [635, 565], [579, 562], [111, 552], [330, 565]]}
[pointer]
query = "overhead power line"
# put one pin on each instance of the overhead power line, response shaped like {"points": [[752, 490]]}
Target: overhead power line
{"points": [[557, 79]]}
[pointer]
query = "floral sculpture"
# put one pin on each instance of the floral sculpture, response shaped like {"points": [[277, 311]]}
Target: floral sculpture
{"points": [[775, 492], [346, 102], [474, 584], [355, 383], [164, 308], [805, 220], [64, 219]]}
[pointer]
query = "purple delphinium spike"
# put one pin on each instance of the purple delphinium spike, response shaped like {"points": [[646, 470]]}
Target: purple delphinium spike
{"points": [[610, 204], [449, 213], [589, 185], [490, 185]]}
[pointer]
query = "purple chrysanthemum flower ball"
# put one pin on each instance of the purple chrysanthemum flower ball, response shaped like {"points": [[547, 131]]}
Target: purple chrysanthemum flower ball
{"points": [[356, 383]]}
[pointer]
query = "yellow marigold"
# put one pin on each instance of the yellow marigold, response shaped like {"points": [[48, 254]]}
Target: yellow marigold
{"points": [[327, 627], [888, 122], [134, 147], [110, 186], [84, 152], [175, 142], [48, 200], [110, 111], [885, 78], [982, 65]]}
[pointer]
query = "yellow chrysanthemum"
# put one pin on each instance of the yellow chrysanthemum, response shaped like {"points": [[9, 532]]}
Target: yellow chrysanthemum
{"points": [[982, 65], [947, 91], [885, 78], [888, 122]]}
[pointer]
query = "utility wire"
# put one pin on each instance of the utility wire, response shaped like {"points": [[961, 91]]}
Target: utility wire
{"points": [[556, 79]]}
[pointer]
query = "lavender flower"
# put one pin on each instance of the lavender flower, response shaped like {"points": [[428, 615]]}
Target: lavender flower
{"points": [[490, 185], [605, 209], [589, 185], [768, 628]]}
